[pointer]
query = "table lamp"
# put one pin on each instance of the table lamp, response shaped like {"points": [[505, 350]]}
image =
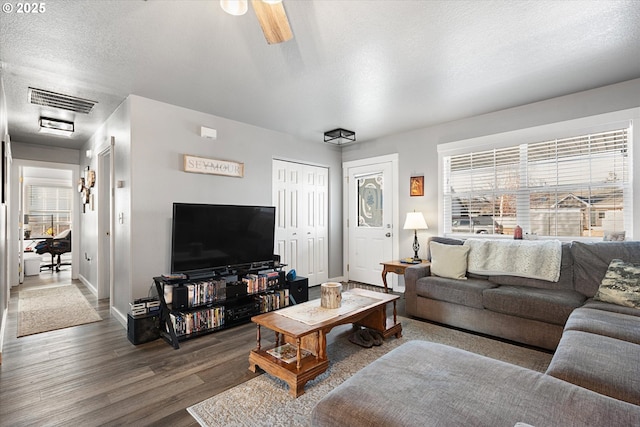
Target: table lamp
{"points": [[415, 221]]}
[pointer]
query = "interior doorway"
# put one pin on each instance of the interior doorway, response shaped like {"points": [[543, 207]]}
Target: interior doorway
{"points": [[42, 171], [371, 212], [45, 213]]}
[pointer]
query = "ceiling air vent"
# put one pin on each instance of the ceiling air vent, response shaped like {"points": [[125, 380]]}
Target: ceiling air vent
{"points": [[60, 100]]}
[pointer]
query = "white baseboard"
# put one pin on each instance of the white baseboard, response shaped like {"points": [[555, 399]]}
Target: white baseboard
{"points": [[88, 284], [122, 318]]}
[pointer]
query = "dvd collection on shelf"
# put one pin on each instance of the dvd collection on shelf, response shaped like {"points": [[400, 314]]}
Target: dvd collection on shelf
{"points": [[261, 281], [215, 290], [278, 299], [197, 321], [201, 292]]}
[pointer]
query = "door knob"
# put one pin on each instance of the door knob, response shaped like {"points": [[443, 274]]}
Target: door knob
{"points": [[388, 234]]}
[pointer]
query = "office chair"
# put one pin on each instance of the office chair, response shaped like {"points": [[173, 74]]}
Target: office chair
{"points": [[58, 245]]}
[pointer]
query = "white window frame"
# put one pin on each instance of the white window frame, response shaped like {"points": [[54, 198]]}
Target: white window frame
{"points": [[587, 125]]}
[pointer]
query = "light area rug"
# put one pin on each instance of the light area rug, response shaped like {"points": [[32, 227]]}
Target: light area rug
{"points": [[265, 401], [47, 309]]}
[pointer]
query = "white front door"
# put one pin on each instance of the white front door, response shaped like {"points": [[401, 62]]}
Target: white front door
{"points": [[371, 219]]}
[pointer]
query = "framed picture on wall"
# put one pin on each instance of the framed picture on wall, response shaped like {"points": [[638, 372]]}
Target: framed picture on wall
{"points": [[416, 186]]}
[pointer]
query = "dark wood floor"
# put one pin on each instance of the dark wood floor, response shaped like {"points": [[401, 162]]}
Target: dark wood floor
{"points": [[91, 375]]}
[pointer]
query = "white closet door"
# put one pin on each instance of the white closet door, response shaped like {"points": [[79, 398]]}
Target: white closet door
{"points": [[300, 196]]}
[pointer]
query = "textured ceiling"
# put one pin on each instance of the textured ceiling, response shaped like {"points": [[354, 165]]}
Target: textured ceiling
{"points": [[375, 67]]}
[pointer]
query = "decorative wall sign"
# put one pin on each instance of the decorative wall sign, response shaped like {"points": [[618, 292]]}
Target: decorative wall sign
{"points": [[196, 164], [417, 186]]}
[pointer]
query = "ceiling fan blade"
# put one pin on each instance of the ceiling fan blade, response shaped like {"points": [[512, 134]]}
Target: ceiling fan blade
{"points": [[273, 20]]}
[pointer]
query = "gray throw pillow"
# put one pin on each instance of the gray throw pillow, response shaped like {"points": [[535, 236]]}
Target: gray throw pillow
{"points": [[621, 284]]}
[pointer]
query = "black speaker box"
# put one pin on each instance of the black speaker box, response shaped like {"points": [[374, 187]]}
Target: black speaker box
{"points": [[142, 329], [298, 290], [180, 297]]}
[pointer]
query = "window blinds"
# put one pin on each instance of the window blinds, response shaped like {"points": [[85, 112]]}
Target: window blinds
{"points": [[44, 201], [576, 186]]}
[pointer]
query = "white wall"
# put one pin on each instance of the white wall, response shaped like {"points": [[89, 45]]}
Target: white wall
{"points": [[149, 160], [118, 125], [45, 153], [418, 155]]}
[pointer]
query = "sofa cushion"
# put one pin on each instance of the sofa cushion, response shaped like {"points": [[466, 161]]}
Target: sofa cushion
{"points": [[464, 292], [564, 282], [427, 384], [607, 323], [448, 260], [591, 261], [603, 364], [600, 305], [552, 306], [621, 284]]}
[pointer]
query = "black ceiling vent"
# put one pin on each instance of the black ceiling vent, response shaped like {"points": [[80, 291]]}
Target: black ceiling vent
{"points": [[60, 100]]}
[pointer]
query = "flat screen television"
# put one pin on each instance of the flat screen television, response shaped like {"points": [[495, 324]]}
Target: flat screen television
{"points": [[207, 237]]}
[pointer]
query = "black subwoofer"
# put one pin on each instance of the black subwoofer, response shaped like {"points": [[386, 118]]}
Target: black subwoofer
{"points": [[142, 329], [298, 290]]}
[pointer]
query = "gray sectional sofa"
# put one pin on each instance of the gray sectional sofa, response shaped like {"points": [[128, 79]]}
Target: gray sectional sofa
{"points": [[593, 378], [529, 311], [428, 384]]}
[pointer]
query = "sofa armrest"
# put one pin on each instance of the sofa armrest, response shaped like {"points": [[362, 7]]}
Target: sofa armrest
{"points": [[412, 274]]}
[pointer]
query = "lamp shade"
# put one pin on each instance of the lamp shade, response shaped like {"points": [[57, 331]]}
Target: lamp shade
{"points": [[234, 7], [415, 221]]}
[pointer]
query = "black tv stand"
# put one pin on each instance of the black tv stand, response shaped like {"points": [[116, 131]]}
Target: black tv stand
{"points": [[219, 299]]}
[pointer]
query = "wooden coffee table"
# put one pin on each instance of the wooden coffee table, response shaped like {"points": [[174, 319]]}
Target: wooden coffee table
{"points": [[312, 338]]}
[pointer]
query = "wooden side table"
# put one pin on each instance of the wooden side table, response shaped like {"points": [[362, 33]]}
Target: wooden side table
{"points": [[396, 267]]}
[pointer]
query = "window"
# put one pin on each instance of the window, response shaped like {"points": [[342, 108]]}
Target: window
{"points": [[370, 200], [47, 210], [577, 186]]}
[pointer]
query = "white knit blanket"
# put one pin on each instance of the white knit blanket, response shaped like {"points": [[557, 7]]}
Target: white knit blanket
{"points": [[536, 259]]}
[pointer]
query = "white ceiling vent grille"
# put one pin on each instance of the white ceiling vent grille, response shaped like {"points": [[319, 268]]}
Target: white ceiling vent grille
{"points": [[60, 100]]}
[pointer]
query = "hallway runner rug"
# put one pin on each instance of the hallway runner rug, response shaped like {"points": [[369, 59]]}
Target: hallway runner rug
{"points": [[48, 309], [265, 401]]}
